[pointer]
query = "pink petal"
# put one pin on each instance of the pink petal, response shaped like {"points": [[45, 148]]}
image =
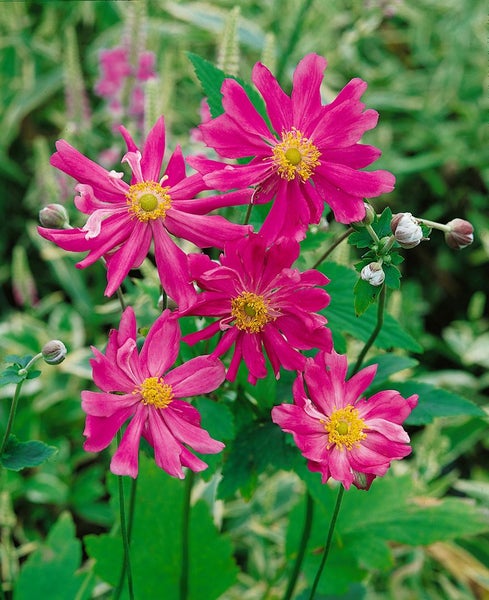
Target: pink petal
{"points": [[339, 466], [279, 105], [161, 346], [188, 433], [153, 151], [126, 457], [100, 404], [306, 96], [253, 355], [167, 448], [100, 431], [199, 375]]}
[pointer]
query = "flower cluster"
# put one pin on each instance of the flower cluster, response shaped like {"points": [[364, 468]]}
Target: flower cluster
{"points": [[264, 312]]}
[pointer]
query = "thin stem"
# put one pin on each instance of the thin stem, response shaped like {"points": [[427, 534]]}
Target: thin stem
{"points": [[329, 539], [334, 245], [375, 332], [248, 214], [302, 547], [433, 224], [132, 505], [121, 299], [372, 233], [185, 536], [11, 417], [126, 565], [293, 38]]}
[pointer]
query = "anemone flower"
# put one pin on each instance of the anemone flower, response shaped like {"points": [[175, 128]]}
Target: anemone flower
{"points": [[343, 436], [142, 388], [125, 218], [262, 304], [305, 155]]}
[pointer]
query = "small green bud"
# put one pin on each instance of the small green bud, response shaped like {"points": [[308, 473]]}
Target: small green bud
{"points": [[54, 216], [369, 217], [54, 352]]}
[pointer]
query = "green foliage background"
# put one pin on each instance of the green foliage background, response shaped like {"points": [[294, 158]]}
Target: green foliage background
{"points": [[426, 65]]}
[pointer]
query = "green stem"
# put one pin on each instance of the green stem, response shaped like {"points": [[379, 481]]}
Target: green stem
{"points": [[375, 332], [334, 245], [13, 407], [185, 536], [248, 214], [329, 539], [302, 547], [126, 565], [293, 38], [121, 299]]}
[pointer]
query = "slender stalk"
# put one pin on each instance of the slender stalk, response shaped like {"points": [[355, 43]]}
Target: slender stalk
{"points": [[334, 245], [126, 565], [302, 547], [121, 299], [248, 214], [185, 536], [375, 332], [329, 539], [293, 38], [11, 416]]}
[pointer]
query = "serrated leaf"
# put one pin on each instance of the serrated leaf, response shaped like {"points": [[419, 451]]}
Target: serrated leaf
{"points": [[392, 276], [211, 79], [19, 455], [364, 295], [50, 571], [156, 545], [10, 377], [381, 224], [435, 402]]}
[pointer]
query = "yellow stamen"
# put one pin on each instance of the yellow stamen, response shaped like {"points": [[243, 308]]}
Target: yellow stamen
{"points": [[155, 391], [295, 156], [345, 428], [148, 200], [250, 312]]}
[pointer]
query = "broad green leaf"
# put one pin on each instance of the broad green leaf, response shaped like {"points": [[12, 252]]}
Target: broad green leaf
{"points": [[156, 545], [436, 402], [387, 365], [364, 295], [51, 570], [217, 418], [342, 319], [19, 455]]}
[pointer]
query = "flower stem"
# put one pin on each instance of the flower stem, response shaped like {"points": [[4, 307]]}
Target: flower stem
{"points": [[302, 547], [248, 214], [334, 245], [126, 565], [11, 417], [185, 536], [375, 332], [329, 539]]}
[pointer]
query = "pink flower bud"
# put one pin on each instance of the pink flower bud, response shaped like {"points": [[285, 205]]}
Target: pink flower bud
{"points": [[54, 216], [373, 274], [460, 235], [406, 230]]}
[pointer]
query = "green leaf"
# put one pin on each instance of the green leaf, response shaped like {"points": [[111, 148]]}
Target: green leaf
{"points": [[436, 402], [361, 238], [11, 376], [50, 571], [392, 275], [364, 295], [211, 79], [387, 365], [217, 418], [156, 545], [19, 455], [342, 318]]}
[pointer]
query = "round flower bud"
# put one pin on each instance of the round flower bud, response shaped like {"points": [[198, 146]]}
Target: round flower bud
{"points": [[54, 352], [406, 230], [369, 217], [54, 216], [461, 234], [373, 274]]}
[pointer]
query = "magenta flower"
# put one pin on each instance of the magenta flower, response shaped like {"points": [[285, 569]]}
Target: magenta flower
{"points": [[126, 218], [140, 388], [311, 155], [261, 303], [342, 435]]}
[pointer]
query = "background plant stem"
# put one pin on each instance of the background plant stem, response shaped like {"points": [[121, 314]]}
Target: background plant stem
{"points": [[185, 536]]}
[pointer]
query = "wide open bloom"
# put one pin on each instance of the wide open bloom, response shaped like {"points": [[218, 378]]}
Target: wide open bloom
{"points": [[344, 436], [125, 218], [261, 303], [311, 155], [143, 389]]}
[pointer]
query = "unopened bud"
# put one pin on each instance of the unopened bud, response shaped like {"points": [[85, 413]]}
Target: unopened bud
{"points": [[373, 274], [406, 230], [54, 216], [460, 235], [54, 352], [369, 217]]}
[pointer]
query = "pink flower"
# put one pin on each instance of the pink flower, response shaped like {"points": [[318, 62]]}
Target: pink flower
{"points": [[260, 301], [343, 436], [309, 155], [140, 388], [114, 67], [125, 218]]}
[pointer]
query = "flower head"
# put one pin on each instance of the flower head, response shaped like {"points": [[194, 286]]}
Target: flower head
{"points": [[143, 389], [342, 435], [406, 230], [263, 305], [310, 155], [125, 218], [460, 234]]}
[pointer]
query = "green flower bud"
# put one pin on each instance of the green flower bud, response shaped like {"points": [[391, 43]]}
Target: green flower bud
{"points": [[54, 216], [54, 352]]}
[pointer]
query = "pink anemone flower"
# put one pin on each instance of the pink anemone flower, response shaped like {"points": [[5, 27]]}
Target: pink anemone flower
{"points": [[143, 389], [344, 436], [310, 155], [262, 304], [125, 218]]}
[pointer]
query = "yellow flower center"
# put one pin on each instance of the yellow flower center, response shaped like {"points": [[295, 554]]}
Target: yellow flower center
{"points": [[148, 200], [345, 428], [295, 156], [250, 312], [155, 391]]}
